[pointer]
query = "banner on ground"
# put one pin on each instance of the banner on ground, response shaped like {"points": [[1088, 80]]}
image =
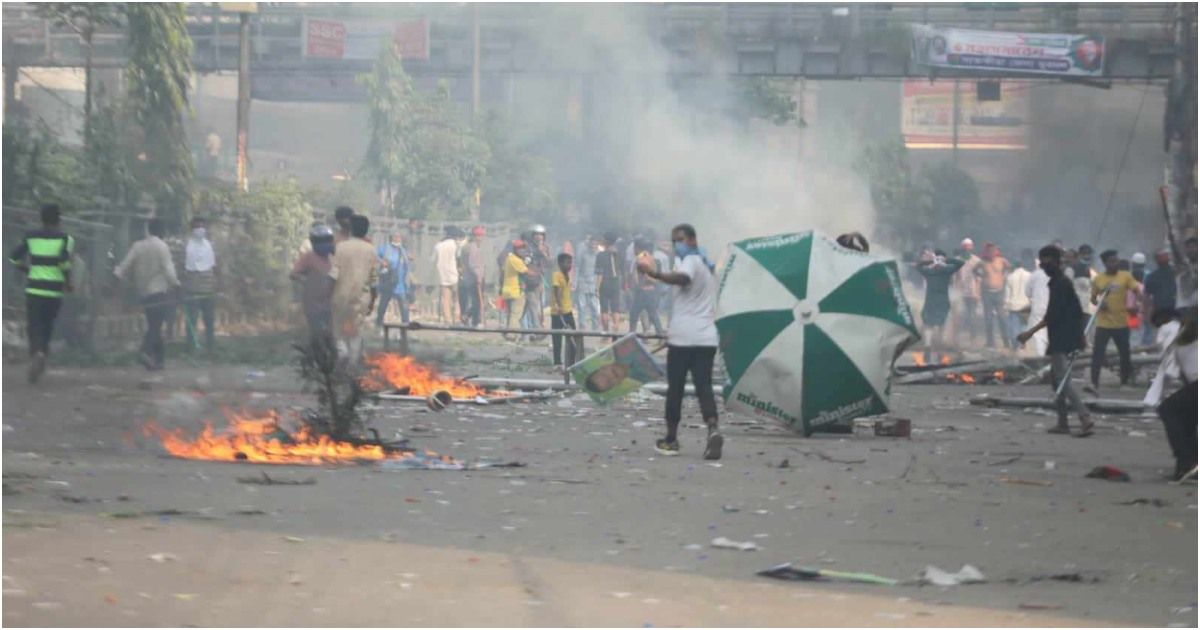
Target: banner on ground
{"points": [[616, 370], [927, 115], [359, 40], [1035, 53]]}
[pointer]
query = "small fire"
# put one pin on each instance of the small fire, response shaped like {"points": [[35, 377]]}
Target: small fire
{"points": [[404, 374], [945, 359], [961, 378], [919, 359], [998, 376], [260, 440]]}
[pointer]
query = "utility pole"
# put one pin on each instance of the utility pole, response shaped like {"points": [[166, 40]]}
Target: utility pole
{"points": [[243, 102], [475, 59], [954, 123]]}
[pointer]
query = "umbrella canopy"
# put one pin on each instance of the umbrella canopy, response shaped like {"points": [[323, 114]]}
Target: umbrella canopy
{"points": [[809, 330]]}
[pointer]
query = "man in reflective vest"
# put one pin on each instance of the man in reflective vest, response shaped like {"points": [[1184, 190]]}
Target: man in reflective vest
{"points": [[45, 257]]}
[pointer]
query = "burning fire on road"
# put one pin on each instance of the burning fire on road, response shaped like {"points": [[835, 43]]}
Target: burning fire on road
{"points": [[260, 439], [406, 376]]}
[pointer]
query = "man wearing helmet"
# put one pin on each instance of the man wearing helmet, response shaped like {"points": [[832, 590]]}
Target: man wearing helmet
{"points": [[313, 269]]}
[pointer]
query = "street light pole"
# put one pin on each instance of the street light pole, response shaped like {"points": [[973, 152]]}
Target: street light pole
{"points": [[243, 102]]}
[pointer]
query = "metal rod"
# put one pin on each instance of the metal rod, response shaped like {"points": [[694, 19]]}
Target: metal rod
{"points": [[405, 328], [1075, 355]]}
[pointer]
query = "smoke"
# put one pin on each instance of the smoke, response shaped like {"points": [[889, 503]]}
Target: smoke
{"points": [[667, 152]]}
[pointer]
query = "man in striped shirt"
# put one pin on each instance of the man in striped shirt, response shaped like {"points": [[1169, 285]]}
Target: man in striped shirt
{"points": [[44, 256]]}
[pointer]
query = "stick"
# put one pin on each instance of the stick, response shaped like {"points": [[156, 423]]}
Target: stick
{"points": [[1086, 331]]}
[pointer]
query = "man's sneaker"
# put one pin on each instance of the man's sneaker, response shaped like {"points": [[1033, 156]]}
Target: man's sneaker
{"points": [[712, 450], [670, 449]]}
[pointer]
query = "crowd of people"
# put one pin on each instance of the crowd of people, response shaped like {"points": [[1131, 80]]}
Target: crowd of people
{"points": [[618, 283]]}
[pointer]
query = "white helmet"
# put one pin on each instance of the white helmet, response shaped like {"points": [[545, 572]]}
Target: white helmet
{"points": [[538, 229], [1138, 258]]}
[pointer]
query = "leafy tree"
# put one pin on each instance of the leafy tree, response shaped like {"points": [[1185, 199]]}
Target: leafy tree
{"points": [[426, 160], [83, 18], [157, 77], [40, 169], [932, 205], [766, 98], [519, 185]]}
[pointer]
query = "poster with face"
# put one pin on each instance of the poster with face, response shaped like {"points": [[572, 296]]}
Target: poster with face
{"points": [[616, 370]]}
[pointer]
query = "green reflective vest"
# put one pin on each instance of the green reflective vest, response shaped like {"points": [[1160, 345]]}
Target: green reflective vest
{"points": [[49, 254]]}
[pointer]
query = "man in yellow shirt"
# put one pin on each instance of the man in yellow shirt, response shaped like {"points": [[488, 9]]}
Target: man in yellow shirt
{"points": [[510, 288], [562, 314], [1112, 319]]}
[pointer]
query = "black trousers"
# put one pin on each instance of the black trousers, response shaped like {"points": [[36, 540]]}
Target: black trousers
{"points": [[644, 302], [574, 344], [1120, 336], [1178, 413], [204, 305], [40, 312], [699, 361], [468, 296], [158, 308]]}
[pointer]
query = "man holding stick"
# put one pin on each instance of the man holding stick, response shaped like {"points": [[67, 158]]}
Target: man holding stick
{"points": [[1065, 327]]}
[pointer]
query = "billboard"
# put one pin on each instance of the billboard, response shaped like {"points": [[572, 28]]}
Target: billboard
{"points": [[359, 40], [927, 115], [1035, 53]]}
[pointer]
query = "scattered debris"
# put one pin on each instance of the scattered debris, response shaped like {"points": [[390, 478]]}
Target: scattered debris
{"points": [[725, 543], [1037, 606], [1074, 577], [1026, 482], [266, 480], [1155, 502], [787, 571], [968, 574], [162, 558], [897, 427], [827, 458], [1099, 405], [1108, 473], [167, 512], [293, 539], [784, 464]]}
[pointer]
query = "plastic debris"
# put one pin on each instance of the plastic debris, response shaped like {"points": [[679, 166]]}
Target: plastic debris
{"points": [[1108, 473], [722, 542], [787, 571], [968, 574], [163, 557]]}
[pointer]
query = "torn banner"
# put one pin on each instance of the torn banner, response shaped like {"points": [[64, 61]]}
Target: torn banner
{"points": [[616, 370]]}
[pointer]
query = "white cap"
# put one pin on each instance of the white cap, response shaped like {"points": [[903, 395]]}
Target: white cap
{"points": [[1138, 258], [966, 242]]}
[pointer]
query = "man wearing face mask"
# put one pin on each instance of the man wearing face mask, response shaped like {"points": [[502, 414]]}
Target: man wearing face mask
{"points": [[691, 336], [1064, 323], [200, 284]]}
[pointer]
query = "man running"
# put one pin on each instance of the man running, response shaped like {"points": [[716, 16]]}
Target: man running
{"points": [[691, 336], [47, 276]]}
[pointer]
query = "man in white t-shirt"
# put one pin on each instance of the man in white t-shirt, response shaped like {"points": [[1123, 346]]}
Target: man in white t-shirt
{"points": [[445, 260], [691, 336], [1037, 289]]}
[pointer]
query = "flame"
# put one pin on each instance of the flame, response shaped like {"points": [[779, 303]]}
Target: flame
{"points": [[945, 359], [998, 375], [968, 379], [260, 440], [392, 371], [918, 359]]}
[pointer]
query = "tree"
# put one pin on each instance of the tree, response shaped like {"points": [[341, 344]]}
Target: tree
{"points": [[933, 205], [83, 18], [519, 185], [768, 99], [428, 163], [157, 77]]}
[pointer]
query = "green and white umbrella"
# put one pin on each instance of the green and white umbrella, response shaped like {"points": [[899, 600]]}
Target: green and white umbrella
{"points": [[809, 330]]}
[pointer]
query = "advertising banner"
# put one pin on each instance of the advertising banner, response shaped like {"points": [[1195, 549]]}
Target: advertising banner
{"points": [[359, 40], [1036, 53], [927, 115], [616, 370]]}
